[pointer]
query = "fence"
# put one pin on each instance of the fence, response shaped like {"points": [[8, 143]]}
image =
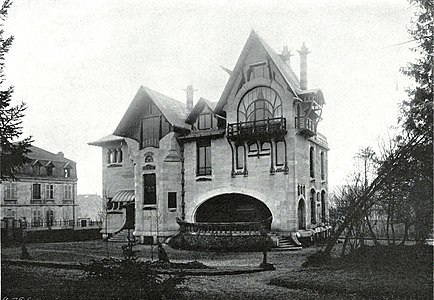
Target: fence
{"points": [[12, 230]]}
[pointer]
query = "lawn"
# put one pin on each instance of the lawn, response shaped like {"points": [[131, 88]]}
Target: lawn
{"points": [[396, 275]]}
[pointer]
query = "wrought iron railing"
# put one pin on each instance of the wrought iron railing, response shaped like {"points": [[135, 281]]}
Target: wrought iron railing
{"points": [[257, 128], [229, 228]]}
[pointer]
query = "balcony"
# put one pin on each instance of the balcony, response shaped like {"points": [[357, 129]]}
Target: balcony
{"points": [[306, 126], [257, 129]]}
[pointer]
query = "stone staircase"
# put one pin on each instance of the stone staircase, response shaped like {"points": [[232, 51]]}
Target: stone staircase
{"points": [[122, 236], [287, 243]]}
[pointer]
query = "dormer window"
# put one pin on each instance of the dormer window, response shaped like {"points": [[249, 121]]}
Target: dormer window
{"points": [[49, 168], [37, 168], [66, 172], [204, 121]]}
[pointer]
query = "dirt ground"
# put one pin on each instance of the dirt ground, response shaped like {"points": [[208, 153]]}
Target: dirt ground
{"points": [[51, 283]]}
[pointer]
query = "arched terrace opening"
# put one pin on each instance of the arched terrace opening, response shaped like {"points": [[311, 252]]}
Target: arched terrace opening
{"points": [[229, 208]]}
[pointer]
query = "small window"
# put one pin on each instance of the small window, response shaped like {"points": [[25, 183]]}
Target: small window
{"points": [[172, 200], [240, 157], [204, 158], [253, 148], [66, 172], [149, 159], [36, 191], [280, 153], [265, 148]]}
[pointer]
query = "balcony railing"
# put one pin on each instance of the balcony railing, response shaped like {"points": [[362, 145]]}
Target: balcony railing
{"points": [[257, 129]]}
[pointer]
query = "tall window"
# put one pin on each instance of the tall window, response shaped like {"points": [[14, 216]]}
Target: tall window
{"points": [[322, 166], [171, 200], [260, 103], [50, 218], [203, 158], [298, 116], [204, 121], [150, 190], [36, 191], [323, 207], [312, 207], [67, 192], [10, 191], [311, 162], [37, 218], [66, 172], [280, 153], [49, 192], [240, 157]]}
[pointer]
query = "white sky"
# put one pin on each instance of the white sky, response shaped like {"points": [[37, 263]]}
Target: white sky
{"points": [[78, 64]]}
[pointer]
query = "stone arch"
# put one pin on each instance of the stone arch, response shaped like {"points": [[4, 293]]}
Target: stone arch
{"points": [[199, 199], [234, 207]]}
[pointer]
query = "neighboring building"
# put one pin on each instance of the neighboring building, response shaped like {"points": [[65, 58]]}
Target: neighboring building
{"points": [[253, 156], [45, 192], [89, 207]]}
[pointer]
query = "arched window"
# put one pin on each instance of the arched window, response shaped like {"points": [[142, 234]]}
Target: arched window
{"points": [[112, 156], [260, 103], [323, 207], [312, 207], [301, 214], [311, 162]]}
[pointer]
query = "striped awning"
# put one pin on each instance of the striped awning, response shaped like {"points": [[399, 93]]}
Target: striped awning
{"points": [[124, 196]]}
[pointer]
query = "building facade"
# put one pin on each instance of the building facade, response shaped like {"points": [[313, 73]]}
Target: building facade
{"points": [[253, 156], [44, 193]]}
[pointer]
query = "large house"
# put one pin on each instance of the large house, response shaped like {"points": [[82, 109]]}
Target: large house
{"points": [[45, 192], [253, 156]]}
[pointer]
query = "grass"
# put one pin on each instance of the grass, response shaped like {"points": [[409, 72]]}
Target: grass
{"points": [[383, 272]]}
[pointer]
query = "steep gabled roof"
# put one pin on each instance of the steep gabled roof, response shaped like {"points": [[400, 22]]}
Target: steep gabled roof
{"points": [[41, 154], [198, 108], [286, 71], [173, 110]]}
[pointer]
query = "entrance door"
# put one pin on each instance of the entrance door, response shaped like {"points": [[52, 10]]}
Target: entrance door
{"points": [[131, 216]]}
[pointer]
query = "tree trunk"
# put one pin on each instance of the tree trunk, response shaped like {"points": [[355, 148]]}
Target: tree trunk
{"points": [[371, 230]]}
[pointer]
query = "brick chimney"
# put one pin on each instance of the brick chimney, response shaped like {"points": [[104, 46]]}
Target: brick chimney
{"points": [[190, 92], [303, 66]]}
